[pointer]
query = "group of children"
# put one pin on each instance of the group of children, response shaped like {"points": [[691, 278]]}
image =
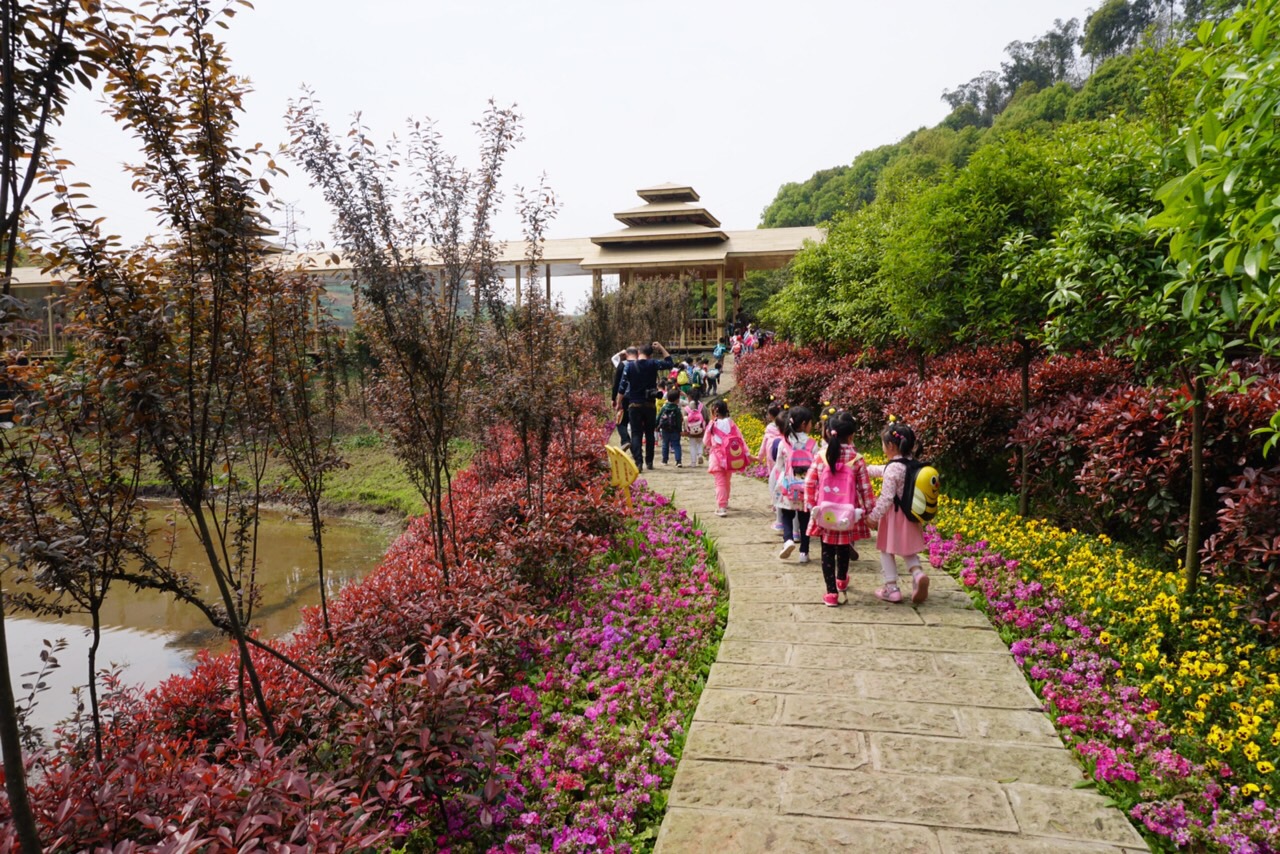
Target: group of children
{"points": [[821, 487]]}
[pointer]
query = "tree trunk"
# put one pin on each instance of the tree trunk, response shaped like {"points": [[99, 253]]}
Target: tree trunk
{"points": [[93, 684], [1024, 459], [237, 629], [317, 533], [1191, 562], [15, 779]]}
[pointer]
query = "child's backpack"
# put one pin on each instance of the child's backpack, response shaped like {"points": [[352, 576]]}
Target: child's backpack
{"points": [[920, 490], [791, 484], [837, 508], [733, 450], [695, 377], [694, 423], [682, 378], [718, 352], [669, 418]]}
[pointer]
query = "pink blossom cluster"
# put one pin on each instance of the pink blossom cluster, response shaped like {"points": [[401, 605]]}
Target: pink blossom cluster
{"points": [[1132, 756], [596, 730]]}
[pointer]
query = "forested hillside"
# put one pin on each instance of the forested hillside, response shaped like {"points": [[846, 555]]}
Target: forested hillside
{"points": [[1073, 72]]}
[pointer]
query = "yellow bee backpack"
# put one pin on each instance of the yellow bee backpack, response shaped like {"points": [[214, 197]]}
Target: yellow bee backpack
{"points": [[920, 490]]}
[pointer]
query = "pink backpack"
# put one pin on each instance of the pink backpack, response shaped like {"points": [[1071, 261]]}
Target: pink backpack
{"points": [[694, 423], [733, 450], [837, 508]]}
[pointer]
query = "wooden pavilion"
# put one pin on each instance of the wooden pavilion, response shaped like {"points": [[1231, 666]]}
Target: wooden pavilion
{"points": [[671, 234]]}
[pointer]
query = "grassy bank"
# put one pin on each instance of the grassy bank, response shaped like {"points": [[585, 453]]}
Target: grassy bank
{"points": [[373, 481]]}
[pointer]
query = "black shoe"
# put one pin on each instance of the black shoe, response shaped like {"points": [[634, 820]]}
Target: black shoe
{"points": [[650, 466]]}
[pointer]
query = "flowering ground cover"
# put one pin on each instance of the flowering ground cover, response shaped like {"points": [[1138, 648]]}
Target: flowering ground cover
{"points": [[530, 691], [598, 729], [1170, 708]]}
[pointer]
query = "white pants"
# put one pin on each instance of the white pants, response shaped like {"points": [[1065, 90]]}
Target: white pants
{"points": [[695, 447]]}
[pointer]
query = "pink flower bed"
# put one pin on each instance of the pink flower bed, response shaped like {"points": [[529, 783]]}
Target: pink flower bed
{"points": [[598, 728], [1131, 755]]}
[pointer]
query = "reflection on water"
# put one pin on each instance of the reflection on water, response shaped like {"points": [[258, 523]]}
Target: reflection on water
{"points": [[152, 636]]}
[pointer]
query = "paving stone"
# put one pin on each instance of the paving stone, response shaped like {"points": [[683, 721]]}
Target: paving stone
{"points": [[868, 715], [1016, 727], [740, 578], [940, 638], [791, 745], [816, 633], [785, 680], [913, 754], [802, 594], [817, 612], [750, 652], [687, 831], [958, 842], [933, 801], [1008, 692], [979, 665], [860, 658], [727, 786], [963, 617], [1071, 814], [765, 611], [739, 707]]}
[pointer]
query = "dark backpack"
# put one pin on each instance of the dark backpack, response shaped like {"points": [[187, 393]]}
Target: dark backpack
{"points": [[920, 490], [669, 418]]}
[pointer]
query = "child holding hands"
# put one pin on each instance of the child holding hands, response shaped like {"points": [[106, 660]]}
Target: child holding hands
{"points": [[838, 489], [897, 534]]}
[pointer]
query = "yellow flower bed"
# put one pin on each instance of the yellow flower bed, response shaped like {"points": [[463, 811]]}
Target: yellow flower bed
{"points": [[752, 428], [1215, 685]]}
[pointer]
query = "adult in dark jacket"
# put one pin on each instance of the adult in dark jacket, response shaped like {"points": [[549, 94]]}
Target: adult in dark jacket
{"points": [[641, 379]]}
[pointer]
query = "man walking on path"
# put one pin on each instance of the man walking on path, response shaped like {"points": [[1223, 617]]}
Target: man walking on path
{"points": [[641, 379]]}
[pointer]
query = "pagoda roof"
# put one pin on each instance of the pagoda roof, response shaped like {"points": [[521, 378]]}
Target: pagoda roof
{"points": [[668, 192], [656, 212]]}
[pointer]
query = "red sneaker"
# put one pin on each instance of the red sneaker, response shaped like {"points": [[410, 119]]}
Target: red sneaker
{"points": [[831, 600]]}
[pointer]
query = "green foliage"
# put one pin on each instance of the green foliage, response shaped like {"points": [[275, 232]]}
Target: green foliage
{"points": [[1116, 87], [1222, 210], [809, 203], [1047, 106]]}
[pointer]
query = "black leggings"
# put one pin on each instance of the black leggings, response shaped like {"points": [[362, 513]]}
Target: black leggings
{"points": [[835, 564]]}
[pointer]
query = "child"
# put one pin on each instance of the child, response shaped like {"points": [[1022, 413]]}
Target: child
{"points": [[772, 434], [695, 424], [795, 457], [718, 434], [897, 534], [713, 378], [839, 476], [670, 420]]}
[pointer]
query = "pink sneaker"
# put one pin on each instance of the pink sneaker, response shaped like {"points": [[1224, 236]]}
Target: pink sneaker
{"points": [[889, 593], [919, 588], [842, 589], [831, 600]]}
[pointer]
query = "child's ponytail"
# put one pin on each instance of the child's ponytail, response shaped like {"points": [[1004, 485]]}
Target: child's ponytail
{"points": [[900, 436], [839, 430]]}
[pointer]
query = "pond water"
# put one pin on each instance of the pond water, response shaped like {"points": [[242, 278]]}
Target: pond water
{"points": [[151, 637]]}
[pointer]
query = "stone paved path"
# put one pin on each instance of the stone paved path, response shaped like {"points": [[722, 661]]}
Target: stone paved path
{"points": [[868, 727]]}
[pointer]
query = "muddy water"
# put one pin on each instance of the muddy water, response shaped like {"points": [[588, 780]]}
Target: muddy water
{"points": [[151, 637]]}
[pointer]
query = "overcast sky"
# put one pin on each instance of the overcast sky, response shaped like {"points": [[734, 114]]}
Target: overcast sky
{"points": [[733, 98]]}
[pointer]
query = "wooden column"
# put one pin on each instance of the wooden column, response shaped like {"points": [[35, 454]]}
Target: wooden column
{"points": [[548, 266], [517, 286], [597, 284], [719, 302]]}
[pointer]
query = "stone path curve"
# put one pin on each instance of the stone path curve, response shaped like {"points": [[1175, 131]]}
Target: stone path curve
{"points": [[868, 727]]}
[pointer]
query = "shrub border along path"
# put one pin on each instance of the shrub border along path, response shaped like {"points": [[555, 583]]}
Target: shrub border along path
{"points": [[866, 727]]}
